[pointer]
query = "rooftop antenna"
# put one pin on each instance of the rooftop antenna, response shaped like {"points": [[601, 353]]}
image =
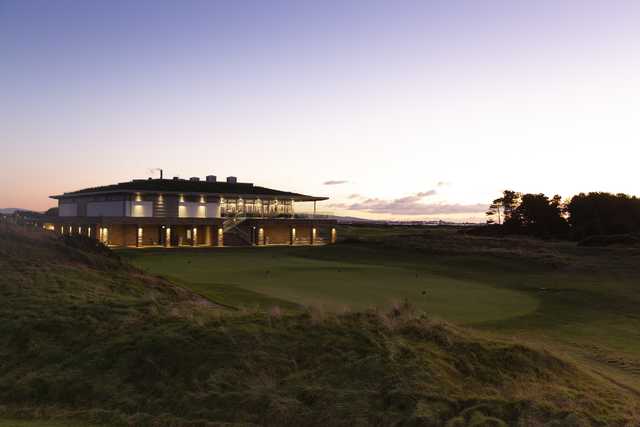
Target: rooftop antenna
{"points": [[154, 170]]}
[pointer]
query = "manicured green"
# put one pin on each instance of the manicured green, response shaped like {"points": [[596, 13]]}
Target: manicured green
{"points": [[282, 274]]}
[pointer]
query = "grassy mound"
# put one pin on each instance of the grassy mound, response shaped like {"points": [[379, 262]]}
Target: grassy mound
{"points": [[611, 239], [84, 335]]}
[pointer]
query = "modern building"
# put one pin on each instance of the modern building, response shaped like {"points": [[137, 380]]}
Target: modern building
{"points": [[180, 212]]}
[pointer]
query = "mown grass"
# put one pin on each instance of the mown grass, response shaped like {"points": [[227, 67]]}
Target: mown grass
{"points": [[284, 277], [85, 336]]}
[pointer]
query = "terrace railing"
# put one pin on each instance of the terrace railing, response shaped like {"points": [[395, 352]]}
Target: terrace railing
{"points": [[232, 215]]}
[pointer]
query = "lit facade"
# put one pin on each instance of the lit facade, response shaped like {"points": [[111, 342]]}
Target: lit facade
{"points": [[178, 212]]}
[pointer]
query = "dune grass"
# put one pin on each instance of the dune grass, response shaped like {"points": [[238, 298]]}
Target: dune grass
{"points": [[85, 336], [47, 423]]}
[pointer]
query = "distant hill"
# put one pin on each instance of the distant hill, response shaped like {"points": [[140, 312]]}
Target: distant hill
{"points": [[9, 211]]}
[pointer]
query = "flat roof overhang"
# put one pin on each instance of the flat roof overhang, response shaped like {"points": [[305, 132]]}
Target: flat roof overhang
{"points": [[296, 198], [132, 220], [82, 220]]}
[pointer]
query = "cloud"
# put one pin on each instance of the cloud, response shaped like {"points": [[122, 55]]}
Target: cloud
{"points": [[355, 196], [410, 205], [335, 182], [443, 184]]}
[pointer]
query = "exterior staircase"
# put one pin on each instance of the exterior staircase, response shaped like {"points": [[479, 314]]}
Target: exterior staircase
{"points": [[234, 234]]}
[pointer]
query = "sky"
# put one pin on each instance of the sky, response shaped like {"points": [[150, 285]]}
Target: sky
{"points": [[393, 109]]}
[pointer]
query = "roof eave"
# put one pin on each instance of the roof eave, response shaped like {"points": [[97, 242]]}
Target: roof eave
{"points": [[296, 197]]}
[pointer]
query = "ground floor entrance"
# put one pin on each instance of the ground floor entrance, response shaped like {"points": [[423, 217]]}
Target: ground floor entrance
{"points": [[216, 234]]}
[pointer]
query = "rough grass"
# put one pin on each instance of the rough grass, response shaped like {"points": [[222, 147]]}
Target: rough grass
{"points": [[56, 422], [87, 337]]}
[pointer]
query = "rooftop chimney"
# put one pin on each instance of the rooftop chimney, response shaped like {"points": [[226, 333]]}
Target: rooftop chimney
{"points": [[211, 178], [194, 178], [232, 180]]}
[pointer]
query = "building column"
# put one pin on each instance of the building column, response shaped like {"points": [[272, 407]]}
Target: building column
{"points": [[292, 235], [138, 236], [260, 236], [220, 237], [194, 236], [167, 237], [333, 235], [313, 235], [104, 235], [207, 235]]}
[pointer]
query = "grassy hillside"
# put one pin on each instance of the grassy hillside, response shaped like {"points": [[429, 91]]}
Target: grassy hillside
{"points": [[85, 336], [586, 298]]}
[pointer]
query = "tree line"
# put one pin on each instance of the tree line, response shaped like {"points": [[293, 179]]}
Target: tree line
{"points": [[581, 216]]}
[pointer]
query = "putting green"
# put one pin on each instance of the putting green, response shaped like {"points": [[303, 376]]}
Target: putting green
{"points": [[279, 274]]}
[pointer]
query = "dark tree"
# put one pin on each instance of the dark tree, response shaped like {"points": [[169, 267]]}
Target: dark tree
{"points": [[603, 213], [537, 215], [502, 208]]}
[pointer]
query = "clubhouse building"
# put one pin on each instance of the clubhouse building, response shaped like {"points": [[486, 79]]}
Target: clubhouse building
{"points": [[194, 212]]}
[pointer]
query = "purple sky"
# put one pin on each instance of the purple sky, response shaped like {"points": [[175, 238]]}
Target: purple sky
{"points": [[393, 109]]}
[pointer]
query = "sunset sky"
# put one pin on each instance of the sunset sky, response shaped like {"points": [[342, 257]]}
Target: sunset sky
{"points": [[394, 109]]}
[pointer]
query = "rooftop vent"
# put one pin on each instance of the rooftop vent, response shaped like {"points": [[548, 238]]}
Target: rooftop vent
{"points": [[194, 178], [232, 180], [175, 178], [211, 178]]}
